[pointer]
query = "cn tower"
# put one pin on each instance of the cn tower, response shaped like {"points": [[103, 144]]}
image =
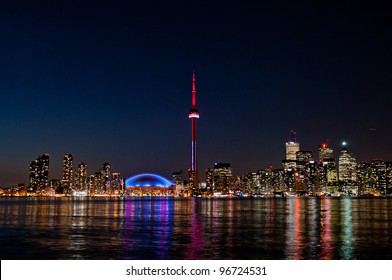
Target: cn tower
{"points": [[193, 115]]}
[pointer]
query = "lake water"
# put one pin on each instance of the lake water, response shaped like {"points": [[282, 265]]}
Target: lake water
{"points": [[172, 228]]}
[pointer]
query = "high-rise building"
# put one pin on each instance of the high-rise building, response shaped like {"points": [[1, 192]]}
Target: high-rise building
{"points": [[178, 180], [330, 170], [97, 183], [193, 115], [91, 191], [81, 179], [324, 153], [117, 184], [347, 167], [105, 178], [389, 177], [292, 147], [221, 178], [67, 181], [39, 175], [378, 180], [304, 170], [363, 178]]}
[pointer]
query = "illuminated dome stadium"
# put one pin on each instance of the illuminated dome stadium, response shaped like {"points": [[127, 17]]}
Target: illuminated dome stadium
{"points": [[149, 184]]}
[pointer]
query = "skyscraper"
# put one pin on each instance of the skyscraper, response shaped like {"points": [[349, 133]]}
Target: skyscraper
{"points": [[67, 174], [193, 115], [324, 153], [117, 184], [105, 172], [347, 167], [378, 180], [292, 147], [39, 175], [81, 179]]}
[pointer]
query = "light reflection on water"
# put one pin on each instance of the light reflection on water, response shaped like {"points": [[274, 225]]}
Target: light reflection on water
{"points": [[167, 228]]}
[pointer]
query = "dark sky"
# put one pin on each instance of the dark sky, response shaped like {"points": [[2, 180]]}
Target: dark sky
{"points": [[110, 81]]}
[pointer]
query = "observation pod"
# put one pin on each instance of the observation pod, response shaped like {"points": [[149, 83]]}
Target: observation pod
{"points": [[149, 184]]}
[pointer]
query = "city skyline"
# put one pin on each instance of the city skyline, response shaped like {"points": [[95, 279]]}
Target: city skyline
{"points": [[110, 83]]}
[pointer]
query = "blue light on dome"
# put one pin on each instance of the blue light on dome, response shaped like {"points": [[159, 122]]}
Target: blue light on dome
{"points": [[148, 180]]}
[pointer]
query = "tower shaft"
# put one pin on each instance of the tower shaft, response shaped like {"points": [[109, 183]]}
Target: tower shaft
{"points": [[193, 115]]}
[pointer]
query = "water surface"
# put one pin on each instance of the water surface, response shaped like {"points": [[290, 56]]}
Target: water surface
{"points": [[169, 228]]}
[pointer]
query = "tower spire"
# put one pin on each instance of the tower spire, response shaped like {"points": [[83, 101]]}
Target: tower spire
{"points": [[193, 90]]}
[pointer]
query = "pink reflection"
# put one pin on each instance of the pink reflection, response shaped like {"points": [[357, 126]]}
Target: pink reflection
{"points": [[326, 231], [195, 246]]}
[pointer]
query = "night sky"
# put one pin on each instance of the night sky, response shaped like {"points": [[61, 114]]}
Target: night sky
{"points": [[110, 81]]}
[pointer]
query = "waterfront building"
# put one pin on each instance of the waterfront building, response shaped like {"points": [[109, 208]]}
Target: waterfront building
{"points": [[98, 183], [331, 172], [177, 178], [303, 171], [221, 182], [271, 180], [18, 190], [363, 178], [347, 172], [92, 187], [39, 175], [148, 184], [209, 180], [347, 167], [67, 180], [289, 165], [327, 176], [291, 149], [104, 179], [389, 177], [324, 153], [378, 182], [81, 180], [250, 183], [117, 185]]}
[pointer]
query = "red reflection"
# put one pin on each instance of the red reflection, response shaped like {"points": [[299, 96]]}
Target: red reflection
{"points": [[297, 230]]}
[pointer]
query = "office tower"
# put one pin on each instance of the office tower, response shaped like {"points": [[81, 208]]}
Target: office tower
{"points": [[378, 182], [363, 178], [91, 185], [67, 181], [304, 170], [389, 177], [39, 175], [117, 184], [324, 153], [209, 177], [221, 178], [251, 183], [97, 183], [177, 178], [327, 166], [105, 177], [292, 147], [81, 179], [193, 115], [330, 170], [347, 167], [304, 156]]}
